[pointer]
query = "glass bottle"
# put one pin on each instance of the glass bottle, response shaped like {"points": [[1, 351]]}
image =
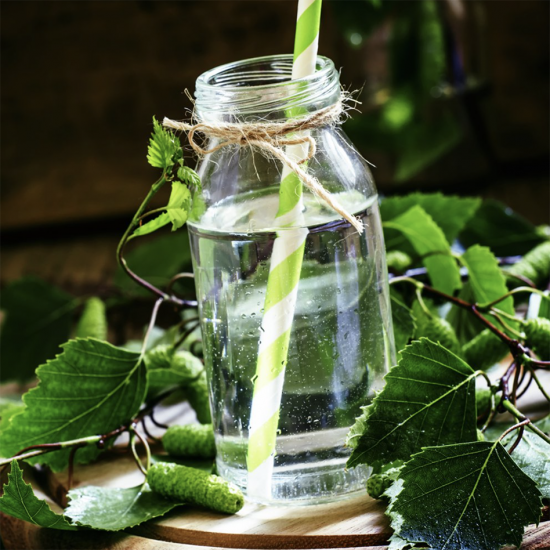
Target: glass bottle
{"points": [[341, 340]]}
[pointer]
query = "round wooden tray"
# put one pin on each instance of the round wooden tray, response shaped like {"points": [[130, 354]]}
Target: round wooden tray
{"points": [[353, 522]]}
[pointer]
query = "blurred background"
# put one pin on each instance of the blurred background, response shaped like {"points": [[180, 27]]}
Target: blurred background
{"points": [[454, 98]]}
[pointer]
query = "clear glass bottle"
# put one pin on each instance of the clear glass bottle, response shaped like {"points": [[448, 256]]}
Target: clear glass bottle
{"points": [[341, 340]]}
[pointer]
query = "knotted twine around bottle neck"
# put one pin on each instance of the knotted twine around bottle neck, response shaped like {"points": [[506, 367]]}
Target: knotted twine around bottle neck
{"points": [[272, 138]]}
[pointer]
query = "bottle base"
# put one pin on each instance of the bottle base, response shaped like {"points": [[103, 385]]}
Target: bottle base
{"points": [[303, 484]]}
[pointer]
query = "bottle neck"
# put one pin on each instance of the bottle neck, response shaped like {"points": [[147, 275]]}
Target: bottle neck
{"points": [[262, 89]]}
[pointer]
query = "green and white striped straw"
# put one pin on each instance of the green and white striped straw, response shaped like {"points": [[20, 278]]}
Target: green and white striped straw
{"points": [[282, 284]]}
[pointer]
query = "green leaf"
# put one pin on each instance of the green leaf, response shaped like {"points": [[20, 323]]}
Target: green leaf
{"points": [[501, 229], [486, 278], [93, 321], [157, 261], [449, 212], [19, 501], [38, 320], [152, 225], [470, 495], [429, 242], [178, 204], [403, 322], [89, 389], [532, 455], [486, 283], [163, 145], [465, 324], [429, 398], [189, 177], [8, 409], [114, 509]]}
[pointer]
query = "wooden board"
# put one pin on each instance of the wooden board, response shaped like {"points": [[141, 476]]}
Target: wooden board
{"points": [[358, 521]]}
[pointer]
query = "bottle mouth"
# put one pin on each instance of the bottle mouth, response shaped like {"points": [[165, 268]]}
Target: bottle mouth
{"points": [[263, 86]]}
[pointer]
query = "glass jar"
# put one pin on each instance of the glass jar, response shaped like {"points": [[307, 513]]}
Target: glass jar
{"points": [[340, 342]]}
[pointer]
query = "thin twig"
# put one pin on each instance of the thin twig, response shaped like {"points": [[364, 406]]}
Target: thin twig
{"points": [[186, 335], [521, 417], [128, 235], [147, 451], [154, 421], [134, 451], [146, 430], [521, 425], [151, 325], [541, 387], [526, 387], [521, 278], [520, 289], [504, 382]]}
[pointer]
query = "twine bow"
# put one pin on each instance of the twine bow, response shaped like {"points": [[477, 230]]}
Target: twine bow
{"points": [[272, 138]]}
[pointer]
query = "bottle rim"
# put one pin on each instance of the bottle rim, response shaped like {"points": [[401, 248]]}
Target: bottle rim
{"points": [[263, 86]]}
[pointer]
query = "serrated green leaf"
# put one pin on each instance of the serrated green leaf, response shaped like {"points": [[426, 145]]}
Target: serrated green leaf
{"points": [[465, 324], [114, 509], [486, 279], [403, 322], [456, 497], [398, 543], [152, 225], [157, 261], [429, 242], [428, 398], [485, 284], [179, 204], [189, 177], [8, 409], [449, 212], [532, 455], [38, 319], [89, 389], [497, 226], [19, 501], [163, 145]]}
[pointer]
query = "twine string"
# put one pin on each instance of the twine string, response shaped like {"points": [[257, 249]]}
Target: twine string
{"points": [[272, 138]]}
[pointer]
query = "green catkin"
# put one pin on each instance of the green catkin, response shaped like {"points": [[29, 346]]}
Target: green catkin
{"points": [[535, 265], [191, 440], [483, 400], [398, 261], [186, 364], [437, 329], [93, 321], [159, 357], [537, 336], [195, 487], [197, 395], [484, 350], [377, 484]]}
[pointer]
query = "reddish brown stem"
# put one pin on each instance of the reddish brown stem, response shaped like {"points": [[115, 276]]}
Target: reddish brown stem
{"points": [[521, 426], [146, 430], [516, 348]]}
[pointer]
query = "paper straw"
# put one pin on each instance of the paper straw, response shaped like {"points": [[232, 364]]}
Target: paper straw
{"points": [[282, 284]]}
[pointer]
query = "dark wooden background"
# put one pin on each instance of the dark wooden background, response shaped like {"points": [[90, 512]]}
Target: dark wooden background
{"points": [[81, 81]]}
